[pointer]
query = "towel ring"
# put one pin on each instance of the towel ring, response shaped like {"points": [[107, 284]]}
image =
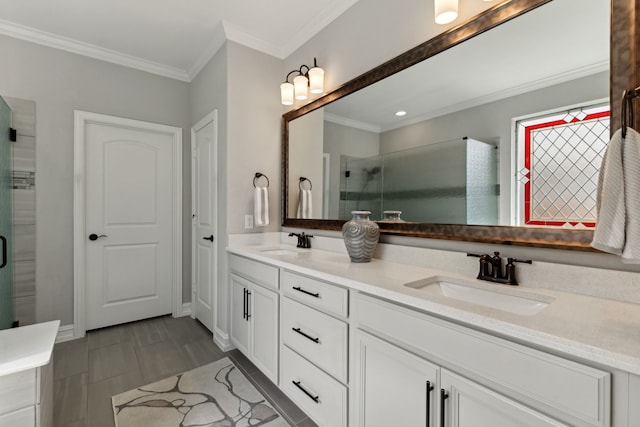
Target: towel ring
{"points": [[303, 179], [258, 175], [628, 113]]}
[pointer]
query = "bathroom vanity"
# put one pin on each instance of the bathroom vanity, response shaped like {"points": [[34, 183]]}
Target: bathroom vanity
{"points": [[26, 375], [383, 343]]}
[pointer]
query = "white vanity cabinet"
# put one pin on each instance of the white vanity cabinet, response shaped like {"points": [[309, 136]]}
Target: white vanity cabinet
{"points": [[26, 398], [478, 379], [313, 354], [254, 312]]}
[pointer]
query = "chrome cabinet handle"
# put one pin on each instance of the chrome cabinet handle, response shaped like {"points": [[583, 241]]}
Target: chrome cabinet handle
{"points": [[309, 337], [311, 396], [299, 289]]}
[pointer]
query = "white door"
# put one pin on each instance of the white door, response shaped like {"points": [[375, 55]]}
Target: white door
{"points": [[392, 386], [263, 309], [471, 405], [129, 220], [240, 316], [204, 184]]}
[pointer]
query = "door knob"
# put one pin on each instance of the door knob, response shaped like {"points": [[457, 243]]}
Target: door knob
{"points": [[210, 238], [94, 236]]}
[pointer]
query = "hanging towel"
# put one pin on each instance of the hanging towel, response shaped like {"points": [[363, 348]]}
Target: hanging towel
{"points": [[261, 206], [618, 200], [304, 204]]}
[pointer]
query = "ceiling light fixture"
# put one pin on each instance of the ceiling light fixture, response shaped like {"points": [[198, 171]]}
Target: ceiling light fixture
{"points": [[401, 113], [312, 79], [446, 11]]}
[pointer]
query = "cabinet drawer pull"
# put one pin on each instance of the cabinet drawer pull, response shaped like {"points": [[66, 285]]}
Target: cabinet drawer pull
{"points": [[244, 303], [299, 289], [429, 390], [315, 340], [443, 396], [311, 396]]}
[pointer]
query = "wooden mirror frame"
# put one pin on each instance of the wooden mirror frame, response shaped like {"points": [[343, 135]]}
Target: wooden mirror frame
{"points": [[624, 74]]}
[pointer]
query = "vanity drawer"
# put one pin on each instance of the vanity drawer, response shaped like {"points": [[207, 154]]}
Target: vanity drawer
{"points": [[18, 390], [263, 274], [25, 417], [316, 293], [564, 387], [316, 393], [318, 337]]}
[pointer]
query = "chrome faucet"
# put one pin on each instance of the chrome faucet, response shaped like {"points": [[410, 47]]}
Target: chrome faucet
{"points": [[491, 268], [303, 240]]}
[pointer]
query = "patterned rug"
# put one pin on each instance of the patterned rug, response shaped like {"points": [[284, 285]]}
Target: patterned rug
{"points": [[214, 395]]}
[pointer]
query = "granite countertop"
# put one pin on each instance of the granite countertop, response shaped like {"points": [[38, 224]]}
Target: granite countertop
{"points": [[27, 347], [599, 330]]}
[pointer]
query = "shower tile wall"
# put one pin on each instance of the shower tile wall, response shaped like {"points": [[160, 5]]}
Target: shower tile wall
{"points": [[24, 209]]}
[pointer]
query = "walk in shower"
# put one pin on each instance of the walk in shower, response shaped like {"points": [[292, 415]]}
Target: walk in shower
{"points": [[6, 218]]}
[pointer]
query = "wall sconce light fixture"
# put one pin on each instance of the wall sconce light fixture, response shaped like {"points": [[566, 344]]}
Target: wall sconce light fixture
{"points": [[446, 11], [306, 79]]}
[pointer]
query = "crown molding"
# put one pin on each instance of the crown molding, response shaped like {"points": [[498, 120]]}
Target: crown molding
{"points": [[43, 38], [218, 40], [333, 118], [320, 21]]}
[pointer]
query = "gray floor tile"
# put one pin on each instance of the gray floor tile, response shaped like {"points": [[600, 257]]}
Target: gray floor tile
{"points": [[111, 361], [71, 358], [148, 331], [161, 360], [107, 336], [70, 399], [185, 329], [202, 352], [100, 411], [242, 362]]}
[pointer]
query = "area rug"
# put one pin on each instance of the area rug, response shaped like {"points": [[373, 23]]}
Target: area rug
{"points": [[214, 395]]}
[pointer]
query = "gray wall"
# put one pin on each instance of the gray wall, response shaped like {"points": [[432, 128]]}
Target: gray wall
{"points": [[59, 83], [238, 82]]}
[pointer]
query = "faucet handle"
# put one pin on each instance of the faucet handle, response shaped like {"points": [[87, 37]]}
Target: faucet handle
{"points": [[524, 261]]}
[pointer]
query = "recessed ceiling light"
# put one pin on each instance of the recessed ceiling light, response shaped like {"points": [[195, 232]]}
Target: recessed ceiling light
{"points": [[401, 113]]}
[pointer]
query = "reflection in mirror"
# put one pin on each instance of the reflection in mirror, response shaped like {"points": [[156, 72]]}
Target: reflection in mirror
{"points": [[531, 94]]}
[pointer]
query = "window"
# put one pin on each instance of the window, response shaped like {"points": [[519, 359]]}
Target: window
{"points": [[559, 158]]}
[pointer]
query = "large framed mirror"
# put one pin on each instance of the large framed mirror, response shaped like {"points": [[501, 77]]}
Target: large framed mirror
{"points": [[479, 155]]}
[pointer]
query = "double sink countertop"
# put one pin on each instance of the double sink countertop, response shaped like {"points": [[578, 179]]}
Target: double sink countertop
{"points": [[595, 329]]}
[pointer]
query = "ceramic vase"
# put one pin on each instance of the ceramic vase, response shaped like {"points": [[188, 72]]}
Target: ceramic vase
{"points": [[392, 216], [360, 236]]}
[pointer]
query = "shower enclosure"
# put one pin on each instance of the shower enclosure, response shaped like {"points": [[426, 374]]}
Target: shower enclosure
{"points": [[6, 219]]}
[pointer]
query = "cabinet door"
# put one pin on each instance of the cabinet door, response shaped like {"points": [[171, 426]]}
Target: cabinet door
{"points": [[239, 321], [391, 386], [263, 306], [471, 405]]}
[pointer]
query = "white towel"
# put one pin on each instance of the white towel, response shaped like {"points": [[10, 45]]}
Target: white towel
{"points": [[618, 201], [261, 206], [304, 204]]}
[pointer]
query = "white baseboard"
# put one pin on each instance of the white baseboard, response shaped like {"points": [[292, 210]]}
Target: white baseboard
{"points": [[65, 333], [186, 310], [222, 340]]}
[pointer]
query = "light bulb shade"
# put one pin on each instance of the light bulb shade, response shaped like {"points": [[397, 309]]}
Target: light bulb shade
{"points": [[316, 80], [286, 93], [301, 86], [446, 11]]}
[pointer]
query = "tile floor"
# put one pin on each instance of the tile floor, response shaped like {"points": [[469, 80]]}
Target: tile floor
{"points": [[116, 359]]}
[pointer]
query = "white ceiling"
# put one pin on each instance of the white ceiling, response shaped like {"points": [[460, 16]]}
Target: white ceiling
{"points": [[557, 42], [175, 38]]}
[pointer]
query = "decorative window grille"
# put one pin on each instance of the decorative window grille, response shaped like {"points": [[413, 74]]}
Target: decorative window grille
{"points": [[559, 165]]}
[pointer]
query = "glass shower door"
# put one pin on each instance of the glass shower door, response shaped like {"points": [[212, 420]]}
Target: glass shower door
{"points": [[6, 219]]}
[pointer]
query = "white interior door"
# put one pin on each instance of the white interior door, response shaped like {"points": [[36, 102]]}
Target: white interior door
{"points": [[204, 183], [129, 221]]}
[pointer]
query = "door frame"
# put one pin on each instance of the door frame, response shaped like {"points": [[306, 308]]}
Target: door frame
{"points": [[211, 117], [81, 119]]}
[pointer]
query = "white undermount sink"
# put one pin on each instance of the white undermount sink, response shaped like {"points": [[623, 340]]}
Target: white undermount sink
{"points": [[489, 295], [279, 251]]}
